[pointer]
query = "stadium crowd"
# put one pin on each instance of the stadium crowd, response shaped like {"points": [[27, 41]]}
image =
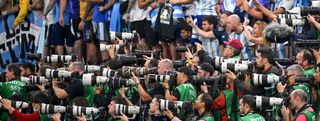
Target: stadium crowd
{"points": [[162, 60]]}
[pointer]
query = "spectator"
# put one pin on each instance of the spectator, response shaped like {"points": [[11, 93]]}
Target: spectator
{"points": [[257, 36], [234, 25]]}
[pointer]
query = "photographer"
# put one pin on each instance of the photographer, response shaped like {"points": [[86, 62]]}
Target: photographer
{"points": [[74, 88], [233, 49], [27, 69], [264, 65], [36, 100], [116, 100], [13, 84], [302, 110], [156, 89], [305, 59], [78, 101], [202, 105], [247, 109], [293, 72], [154, 109], [184, 91]]}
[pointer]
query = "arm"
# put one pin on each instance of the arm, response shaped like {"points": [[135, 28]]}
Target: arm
{"points": [[49, 7], [131, 3], [95, 1], [23, 12], [313, 21], [264, 10], [208, 35], [62, 8], [143, 94], [60, 93], [123, 95], [37, 5], [170, 97], [253, 12], [24, 117], [109, 5], [142, 4], [181, 1]]}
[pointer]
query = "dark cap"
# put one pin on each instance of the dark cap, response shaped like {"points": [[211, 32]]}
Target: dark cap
{"points": [[206, 67], [186, 70]]}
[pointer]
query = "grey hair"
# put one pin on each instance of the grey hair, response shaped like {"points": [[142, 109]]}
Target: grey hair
{"points": [[300, 93], [296, 68]]}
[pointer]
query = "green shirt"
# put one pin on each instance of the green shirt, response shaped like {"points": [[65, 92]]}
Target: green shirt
{"points": [[207, 118], [236, 57], [187, 92], [7, 89], [252, 117], [310, 72]]}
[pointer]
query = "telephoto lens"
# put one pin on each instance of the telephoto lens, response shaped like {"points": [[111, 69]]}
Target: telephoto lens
{"points": [[104, 47], [116, 83], [78, 110], [50, 73], [109, 72], [91, 80], [266, 80], [171, 105], [60, 58], [267, 101], [92, 68], [158, 78], [18, 104], [123, 35], [35, 80], [50, 109], [128, 110], [235, 67]]}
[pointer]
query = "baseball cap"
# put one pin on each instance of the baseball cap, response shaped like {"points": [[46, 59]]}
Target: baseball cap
{"points": [[235, 43], [206, 67], [186, 70]]}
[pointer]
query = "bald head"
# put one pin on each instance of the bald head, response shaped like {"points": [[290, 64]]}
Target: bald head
{"points": [[164, 65], [233, 21]]}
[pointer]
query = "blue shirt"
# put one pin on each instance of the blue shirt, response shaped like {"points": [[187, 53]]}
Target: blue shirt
{"points": [[74, 9], [177, 13], [98, 16], [56, 12], [242, 14]]}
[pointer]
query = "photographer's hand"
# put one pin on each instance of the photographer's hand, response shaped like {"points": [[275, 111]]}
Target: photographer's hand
{"points": [[123, 117], [81, 118], [112, 51], [56, 117], [168, 113], [281, 88], [6, 104], [165, 85], [199, 46], [285, 113], [204, 88], [316, 54], [230, 76], [41, 87], [135, 79]]}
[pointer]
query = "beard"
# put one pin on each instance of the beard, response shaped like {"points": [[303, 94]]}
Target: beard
{"points": [[260, 68]]}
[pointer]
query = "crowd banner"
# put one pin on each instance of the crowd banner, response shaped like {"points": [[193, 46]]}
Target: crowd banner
{"points": [[16, 43]]}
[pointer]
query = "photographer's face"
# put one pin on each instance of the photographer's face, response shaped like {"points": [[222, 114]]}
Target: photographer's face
{"points": [[260, 61], [198, 103], [154, 105], [227, 53], [23, 72], [242, 107], [9, 74], [291, 78], [161, 69], [111, 107], [293, 101]]}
